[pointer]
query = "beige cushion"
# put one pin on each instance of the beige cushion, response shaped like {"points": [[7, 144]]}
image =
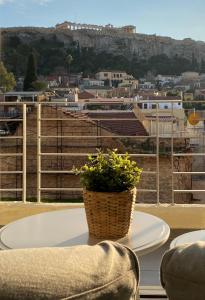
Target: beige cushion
{"points": [[183, 272], [104, 271]]}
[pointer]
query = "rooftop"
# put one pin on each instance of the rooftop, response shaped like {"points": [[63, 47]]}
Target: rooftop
{"points": [[166, 98], [85, 95], [98, 87], [112, 71], [114, 123], [35, 93]]}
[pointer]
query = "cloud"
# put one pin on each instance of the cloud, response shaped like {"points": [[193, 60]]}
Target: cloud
{"points": [[39, 2], [5, 1]]}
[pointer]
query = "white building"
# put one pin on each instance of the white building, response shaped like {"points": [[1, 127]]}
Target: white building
{"points": [[87, 82], [147, 86], [190, 76], [162, 106], [169, 116], [166, 79], [115, 77], [150, 102]]}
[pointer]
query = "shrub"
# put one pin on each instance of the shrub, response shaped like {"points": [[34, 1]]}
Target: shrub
{"points": [[109, 172]]}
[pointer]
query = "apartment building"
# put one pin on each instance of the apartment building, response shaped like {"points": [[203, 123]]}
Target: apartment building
{"points": [[115, 77]]}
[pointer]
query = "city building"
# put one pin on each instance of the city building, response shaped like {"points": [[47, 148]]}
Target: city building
{"points": [[200, 94], [167, 78], [188, 96], [28, 96], [165, 111], [190, 76], [149, 102], [188, 79], [53, 81], [87, 82], [147, 86], [115, 77], [100, 91], [132, 83]]}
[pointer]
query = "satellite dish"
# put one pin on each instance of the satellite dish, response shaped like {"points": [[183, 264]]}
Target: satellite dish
{"points": [[193, 118]]}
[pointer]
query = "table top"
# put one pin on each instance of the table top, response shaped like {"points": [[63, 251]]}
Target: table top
{"points": [[188, 238], [68, 227]]}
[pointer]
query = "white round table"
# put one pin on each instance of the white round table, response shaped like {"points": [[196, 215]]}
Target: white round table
{"points": [[69, 228], [188, 238]]}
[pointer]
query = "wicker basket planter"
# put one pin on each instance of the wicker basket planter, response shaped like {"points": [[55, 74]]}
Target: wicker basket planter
{"points": [[109, 214]]}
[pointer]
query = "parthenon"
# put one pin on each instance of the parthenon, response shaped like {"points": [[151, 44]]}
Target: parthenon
{"points": [[109, 27]]}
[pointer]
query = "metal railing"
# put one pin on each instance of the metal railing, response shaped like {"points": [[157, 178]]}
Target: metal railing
{"points": [[81, 116], [12, 116]]}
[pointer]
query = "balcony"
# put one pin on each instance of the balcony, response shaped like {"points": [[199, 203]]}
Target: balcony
{"points": [[46, 139]]}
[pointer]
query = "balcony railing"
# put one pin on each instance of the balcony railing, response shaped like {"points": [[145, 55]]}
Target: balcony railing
{"points": [[44, 140], [40, 143]]}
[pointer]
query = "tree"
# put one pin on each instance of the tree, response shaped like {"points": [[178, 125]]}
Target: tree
{"points": [[7, 79], [69, 60], [173, 93], [194, 63], [39, 85], [31, 74], [202, 67]]}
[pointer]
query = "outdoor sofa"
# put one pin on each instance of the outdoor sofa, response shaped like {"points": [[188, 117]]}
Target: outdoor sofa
{"points": [[104, 271], [183, 272]]}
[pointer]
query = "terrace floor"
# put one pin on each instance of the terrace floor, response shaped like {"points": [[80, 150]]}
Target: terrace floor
{"points": [[150, 265]]}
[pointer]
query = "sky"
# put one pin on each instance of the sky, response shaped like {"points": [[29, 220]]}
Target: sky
{"points": [[175, 18]]}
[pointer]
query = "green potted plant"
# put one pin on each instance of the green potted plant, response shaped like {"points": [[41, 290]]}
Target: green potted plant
{"points": [[109, 193]]}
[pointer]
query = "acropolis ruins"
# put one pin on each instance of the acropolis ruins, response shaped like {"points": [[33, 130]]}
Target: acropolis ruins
{"points": [[76, 26]]}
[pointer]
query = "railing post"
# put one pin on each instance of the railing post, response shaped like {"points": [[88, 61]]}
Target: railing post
{"points": [[172, 156], [157, 150], [24, 158], [38, 152]]}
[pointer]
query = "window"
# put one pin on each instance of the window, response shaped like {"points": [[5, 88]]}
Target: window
{"points": [[166, 107], [154, 106], [145, 106], [105, 74]]}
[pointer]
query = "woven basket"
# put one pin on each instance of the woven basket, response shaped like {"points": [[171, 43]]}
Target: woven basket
{"points": [[109, 214]]}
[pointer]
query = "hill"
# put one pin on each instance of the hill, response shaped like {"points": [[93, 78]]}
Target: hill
{"points": [[92, 51]]}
